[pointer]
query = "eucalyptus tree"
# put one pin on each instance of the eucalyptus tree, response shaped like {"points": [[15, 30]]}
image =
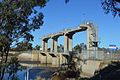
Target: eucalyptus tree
{"points": [[17, 19], [111, 6]]}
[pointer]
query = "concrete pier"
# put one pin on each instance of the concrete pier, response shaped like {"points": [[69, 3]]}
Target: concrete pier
{"points": [[54, 45], [67, 42], [44, 45]]}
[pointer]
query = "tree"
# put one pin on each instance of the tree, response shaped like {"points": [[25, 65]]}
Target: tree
{"points": [[13, 67], [60, 48], [24, 46], [66, 1], [112, 6], [80, 47], [117, 51], [16, 23], [37, 47], [109, 6]]}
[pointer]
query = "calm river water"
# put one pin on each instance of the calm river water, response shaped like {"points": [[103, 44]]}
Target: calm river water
{"points": [[43, 72]]}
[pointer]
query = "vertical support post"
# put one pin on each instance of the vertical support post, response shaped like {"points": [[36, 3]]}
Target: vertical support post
{"points": [[70, 42], [46, 45], [55, 45], [92, 38], [97, 37], [88, 39], [43, 45], [65, 43], [96, 42], [52, 45]]}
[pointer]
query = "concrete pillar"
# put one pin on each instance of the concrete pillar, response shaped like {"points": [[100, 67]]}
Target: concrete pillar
{"points": [[52, 45], [92, 37], [88, 45], [55, 45], [70, 42], [65, 43], [97, 37], [43, 45], [46, 45]]}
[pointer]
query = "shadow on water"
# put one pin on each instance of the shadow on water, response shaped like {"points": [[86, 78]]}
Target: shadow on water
{"points": [[111, 72]]}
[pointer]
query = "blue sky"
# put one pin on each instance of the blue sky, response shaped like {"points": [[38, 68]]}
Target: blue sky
{"points": [[59, 16]]}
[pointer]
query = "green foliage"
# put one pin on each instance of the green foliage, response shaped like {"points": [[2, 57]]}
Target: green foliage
{"points": [[117, 51], [66, 1], [16, 23], [22, 46], [109, 6], [112, 6], [13, 67], [60, 48], [80, 47], [37, 47]]}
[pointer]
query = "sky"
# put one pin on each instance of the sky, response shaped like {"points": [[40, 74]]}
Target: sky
{"points": [[59, 16]]}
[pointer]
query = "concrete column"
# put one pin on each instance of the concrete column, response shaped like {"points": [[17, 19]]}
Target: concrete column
{"points": [[92, 37], [46, 45], [55, 45], [88, 44], [43, 45], [65, 43], [97, 37], [70, 42], [52, 45]]}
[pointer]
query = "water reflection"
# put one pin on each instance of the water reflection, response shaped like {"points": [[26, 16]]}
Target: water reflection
{"points": [[34, 70], [20, 75], [41, 72]]}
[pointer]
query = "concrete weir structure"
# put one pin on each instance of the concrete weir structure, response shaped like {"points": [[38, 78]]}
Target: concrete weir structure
{"points": [[56, 58]]}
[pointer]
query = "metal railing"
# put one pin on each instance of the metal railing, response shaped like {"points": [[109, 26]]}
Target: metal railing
{"points": [[99, 55]]}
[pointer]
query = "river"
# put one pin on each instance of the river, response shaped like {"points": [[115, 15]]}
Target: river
{"points": [[33, 73]]}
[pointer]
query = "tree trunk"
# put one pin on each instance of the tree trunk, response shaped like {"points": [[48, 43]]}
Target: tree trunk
{"points": [[2, 68]]}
